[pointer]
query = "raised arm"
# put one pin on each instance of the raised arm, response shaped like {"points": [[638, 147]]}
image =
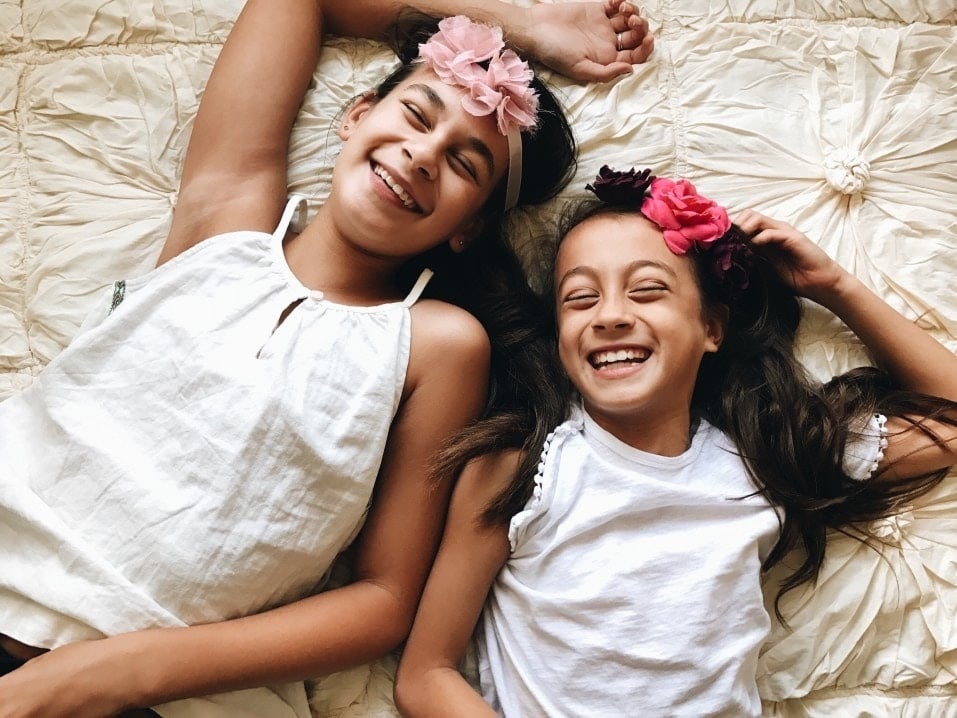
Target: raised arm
{"points": [[234, 173], [428, 682], [898, 346], [577, 39]]}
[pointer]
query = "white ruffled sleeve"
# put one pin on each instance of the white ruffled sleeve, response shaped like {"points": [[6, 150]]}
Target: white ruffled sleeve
{"points": [[537, 503], [865, 447]]}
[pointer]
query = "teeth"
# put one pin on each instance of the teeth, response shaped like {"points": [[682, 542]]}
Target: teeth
{"points": [[395, 187], [600, 359]]}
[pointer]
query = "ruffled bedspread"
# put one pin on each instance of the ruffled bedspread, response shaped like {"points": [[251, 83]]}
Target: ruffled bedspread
{"points": [[839, 116]]}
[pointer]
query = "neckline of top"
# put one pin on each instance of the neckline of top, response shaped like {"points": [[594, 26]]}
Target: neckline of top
{"points": [[281, 264], [595, 435]]}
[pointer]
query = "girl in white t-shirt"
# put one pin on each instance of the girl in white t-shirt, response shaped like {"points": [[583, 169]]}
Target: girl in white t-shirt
{"points": [[612, 567], [211, 440]]}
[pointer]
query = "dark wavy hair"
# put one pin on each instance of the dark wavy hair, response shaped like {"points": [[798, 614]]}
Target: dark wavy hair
{"points": [[792, 431], [488, 279]]}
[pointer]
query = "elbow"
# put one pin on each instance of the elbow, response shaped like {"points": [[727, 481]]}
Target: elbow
{"points": [[399, 629], [395, 625], [409, 692]]}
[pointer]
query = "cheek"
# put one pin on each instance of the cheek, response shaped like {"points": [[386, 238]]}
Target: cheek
{"points": [[567, 341]]}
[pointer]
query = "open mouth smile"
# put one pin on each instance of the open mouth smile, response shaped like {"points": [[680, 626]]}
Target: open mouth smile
{"points": [[618, 358], [404, 197]]}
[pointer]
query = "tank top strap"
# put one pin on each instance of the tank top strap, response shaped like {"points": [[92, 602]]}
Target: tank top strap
{"points": [[424, 276], [296, 202]]}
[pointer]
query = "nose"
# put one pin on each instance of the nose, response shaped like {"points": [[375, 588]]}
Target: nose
{"points": [[423, 155], [613, 313]]}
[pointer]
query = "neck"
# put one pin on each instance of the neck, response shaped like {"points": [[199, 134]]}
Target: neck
{"points": [[324, 259], [662, 434]]}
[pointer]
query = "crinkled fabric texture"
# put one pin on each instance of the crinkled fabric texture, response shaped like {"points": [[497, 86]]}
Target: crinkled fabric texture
{"points": [[839, 116]]}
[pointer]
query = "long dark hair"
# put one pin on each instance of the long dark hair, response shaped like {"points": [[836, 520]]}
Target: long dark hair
{"points": [[488, 280], [790, 430]]}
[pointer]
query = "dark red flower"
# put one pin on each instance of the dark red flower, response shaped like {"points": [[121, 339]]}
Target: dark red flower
{"points": [[616, 187]]}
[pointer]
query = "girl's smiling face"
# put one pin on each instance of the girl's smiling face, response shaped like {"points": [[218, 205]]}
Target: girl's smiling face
{"points": [[415, 169], [632, 330]]}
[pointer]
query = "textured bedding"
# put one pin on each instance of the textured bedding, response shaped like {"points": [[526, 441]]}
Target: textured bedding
{"points": [[839, 116]]}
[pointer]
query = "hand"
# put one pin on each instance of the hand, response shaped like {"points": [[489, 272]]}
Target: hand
{"points": [[581, 39], [804, 266], [68, 682]]}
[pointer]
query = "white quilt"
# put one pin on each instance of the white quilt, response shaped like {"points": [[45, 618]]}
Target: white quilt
{"points": [[839, 116]]}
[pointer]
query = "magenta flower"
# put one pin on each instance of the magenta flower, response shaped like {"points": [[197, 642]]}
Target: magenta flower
{"points": [[685, 217]]}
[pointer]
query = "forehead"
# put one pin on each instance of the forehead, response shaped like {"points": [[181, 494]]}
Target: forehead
{"points": [[611, 240]]}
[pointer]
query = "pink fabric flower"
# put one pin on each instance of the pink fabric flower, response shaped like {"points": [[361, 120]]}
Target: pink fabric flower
{"points": [[685, 217], [455, 53]]}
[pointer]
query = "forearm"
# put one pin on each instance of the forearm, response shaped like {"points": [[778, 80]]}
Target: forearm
{"points": [[437, 693], [372, 18], [315, 636], [907, 352]]}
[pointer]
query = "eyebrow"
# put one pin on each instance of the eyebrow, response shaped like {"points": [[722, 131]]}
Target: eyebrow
{"points": [[474, 143], [629, 268]]}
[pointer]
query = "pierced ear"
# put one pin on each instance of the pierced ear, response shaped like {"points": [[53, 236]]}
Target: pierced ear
{"points": [[460, 241], [353, 116]]}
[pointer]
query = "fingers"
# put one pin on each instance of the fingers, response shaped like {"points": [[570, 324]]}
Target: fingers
{"points": [[633, 40], [612, 7], [631, 20], [642, 51], [750, 222]]}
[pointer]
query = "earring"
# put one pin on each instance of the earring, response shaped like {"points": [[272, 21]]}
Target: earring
{"points": [[461, 243]]}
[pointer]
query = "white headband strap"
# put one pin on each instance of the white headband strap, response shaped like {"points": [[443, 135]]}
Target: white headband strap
{"points": [[513, 185]]}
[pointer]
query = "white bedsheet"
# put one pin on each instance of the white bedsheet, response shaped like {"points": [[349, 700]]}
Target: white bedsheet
{"points": [[839, 116]]}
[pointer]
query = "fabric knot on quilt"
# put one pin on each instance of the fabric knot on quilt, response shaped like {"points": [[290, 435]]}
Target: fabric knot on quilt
{"points": [[847, 171], [892, 529]]}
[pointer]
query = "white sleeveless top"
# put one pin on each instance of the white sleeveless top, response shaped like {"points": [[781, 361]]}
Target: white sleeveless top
{"points": [[633, 585], [190, 458]]}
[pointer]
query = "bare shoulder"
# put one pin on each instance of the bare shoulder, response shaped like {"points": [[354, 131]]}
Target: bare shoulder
{"points": [[440, 329]]}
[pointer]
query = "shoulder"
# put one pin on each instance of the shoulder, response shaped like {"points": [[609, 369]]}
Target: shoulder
{"points": [[449, 354], [439, 328]]}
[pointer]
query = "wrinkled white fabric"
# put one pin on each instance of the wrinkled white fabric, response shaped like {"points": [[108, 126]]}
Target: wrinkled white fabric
{"points": [[204, 450], [781, 105]]}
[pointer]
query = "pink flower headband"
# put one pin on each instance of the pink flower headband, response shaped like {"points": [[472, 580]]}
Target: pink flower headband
{"points": [[471, 55], [687, 219]]}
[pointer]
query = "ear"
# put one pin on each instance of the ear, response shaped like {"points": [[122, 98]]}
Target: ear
{"points": [[353, 116], [714, 327], [461, 240]]}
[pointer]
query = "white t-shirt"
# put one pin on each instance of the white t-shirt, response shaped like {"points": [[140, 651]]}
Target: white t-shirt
{"points": [[633, 585]]}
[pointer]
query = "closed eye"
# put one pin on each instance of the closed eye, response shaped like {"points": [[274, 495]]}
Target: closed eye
{"points": [[647, 291], [465, 166], [416, 116], [580, 299]]}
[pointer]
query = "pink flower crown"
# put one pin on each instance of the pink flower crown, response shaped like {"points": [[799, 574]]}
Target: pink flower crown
{"points": [[456, 53], [687, 219]]}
